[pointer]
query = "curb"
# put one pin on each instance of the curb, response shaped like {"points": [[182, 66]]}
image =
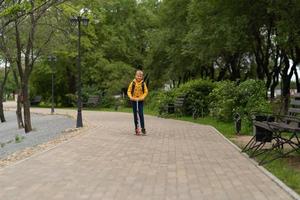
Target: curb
{"points": [[282, 185]]}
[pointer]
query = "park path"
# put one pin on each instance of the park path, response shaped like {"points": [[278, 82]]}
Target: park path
{"points": [[176, 160]]}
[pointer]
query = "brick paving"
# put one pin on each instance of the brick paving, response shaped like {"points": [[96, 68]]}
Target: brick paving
{"points": [[176, 160]]}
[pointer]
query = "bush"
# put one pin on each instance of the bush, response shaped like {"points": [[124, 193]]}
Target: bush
{"points": [[222, 100], [197, 92], [251, 98], [88, 91], [69, 100], [152, 101], [108, 101], [228, 98]]}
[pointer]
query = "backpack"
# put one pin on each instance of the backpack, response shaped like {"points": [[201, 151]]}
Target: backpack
{"points": [[133, 86]]}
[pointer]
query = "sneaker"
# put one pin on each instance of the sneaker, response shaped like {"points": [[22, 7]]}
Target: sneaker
{"points": [[137, 131], [144, 131]]}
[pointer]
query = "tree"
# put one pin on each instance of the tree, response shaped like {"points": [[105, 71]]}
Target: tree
{"points": [[3, 80], [25, 48]]}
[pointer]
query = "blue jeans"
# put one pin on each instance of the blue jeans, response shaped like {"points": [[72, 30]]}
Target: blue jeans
{"points": [[141, 113]]}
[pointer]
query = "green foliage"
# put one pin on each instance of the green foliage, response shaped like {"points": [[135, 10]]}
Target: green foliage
{"points": [[19, 138], [9, 10], [164, 98], [154, 99], [69, 100], [197, 93], [196, 96], [222, 99], [172, 40], [251, 97], [228, 98], [116, 76], [41, 77], [108, 101]]}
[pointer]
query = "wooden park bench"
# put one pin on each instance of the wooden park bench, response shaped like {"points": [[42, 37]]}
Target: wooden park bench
{"points": [[93, 100], [36, 100], [176, 106], [280, 131]]}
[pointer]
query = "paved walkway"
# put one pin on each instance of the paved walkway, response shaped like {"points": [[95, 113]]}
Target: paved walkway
{"points": [[177, 160]]}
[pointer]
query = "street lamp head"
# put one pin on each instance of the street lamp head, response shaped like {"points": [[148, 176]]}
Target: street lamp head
{"points": [[85, 21], [52, 58], [73, 20]]}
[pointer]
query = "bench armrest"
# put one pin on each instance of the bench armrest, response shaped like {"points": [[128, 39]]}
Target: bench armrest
{"points": [[266, 116], [263, 116]]}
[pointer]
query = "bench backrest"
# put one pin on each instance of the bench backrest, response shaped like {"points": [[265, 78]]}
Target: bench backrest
{"points": [[294, 108], [93, 99], [293, 111], [179, 101], [37, 99]]}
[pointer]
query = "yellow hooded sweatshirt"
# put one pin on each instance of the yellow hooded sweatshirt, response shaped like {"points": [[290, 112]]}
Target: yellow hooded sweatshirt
{"points": [[138, 90]]}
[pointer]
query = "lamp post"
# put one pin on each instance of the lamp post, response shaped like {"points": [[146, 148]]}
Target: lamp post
{"points": [[52, 59], [79, 20]]}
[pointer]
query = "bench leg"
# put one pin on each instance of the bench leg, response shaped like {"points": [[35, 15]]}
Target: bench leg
{"points": [[249, 145], [278, 146], [257, 149]]}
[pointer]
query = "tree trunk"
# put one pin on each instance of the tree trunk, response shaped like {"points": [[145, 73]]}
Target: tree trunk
{"points": [[202, 72], [297, 80], [173, 83], [222, 73], [19, 111], [2, 85], [185, 77], [286, 81], [233, 61], [273, 85], [259, 67], [212, 72], [2, 117], [19, 101], [26, 107], [179, 81], [285, 94], [276, 72]]}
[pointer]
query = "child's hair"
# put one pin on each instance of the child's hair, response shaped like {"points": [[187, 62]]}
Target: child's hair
{"points": [[139, 71]]}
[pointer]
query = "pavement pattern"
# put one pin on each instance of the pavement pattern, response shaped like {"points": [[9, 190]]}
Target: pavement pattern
{"points": [[176, 160]]}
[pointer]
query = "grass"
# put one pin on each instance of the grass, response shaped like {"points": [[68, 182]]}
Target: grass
{"points": [[286, 172], [19, 138]]}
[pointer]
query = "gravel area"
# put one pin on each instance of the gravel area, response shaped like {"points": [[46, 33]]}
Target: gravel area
{"points": [[45, 128]]}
